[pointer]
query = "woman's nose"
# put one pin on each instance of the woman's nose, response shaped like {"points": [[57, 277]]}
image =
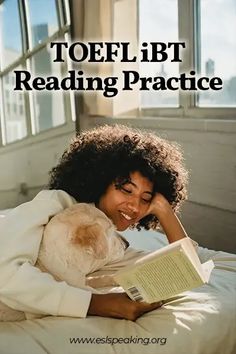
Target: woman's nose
{"points": [[133, 205]]}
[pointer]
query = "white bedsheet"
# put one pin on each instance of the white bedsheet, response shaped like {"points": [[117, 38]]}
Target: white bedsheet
{"points": [[201, 321]]}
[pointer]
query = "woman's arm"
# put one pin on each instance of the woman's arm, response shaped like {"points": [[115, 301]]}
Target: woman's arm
{"points": [[23, 286], [170, 223], [119, 305]]}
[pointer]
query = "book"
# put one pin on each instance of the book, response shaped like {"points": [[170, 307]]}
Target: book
{"points": [[164, 273]]}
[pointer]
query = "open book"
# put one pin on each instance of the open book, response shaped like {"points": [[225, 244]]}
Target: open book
{"points": [[164, 273]]}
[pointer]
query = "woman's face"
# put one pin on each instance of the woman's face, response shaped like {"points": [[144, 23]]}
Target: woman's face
{"points": [[126, 206]]}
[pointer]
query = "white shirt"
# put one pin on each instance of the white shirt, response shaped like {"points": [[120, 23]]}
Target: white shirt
{"points": [[23, 286]]}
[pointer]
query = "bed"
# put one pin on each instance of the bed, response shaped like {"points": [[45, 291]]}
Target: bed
{"points": [[199, 321]]}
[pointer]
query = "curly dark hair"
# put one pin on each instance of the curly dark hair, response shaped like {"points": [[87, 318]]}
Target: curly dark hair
{"points": [[108, 154]]}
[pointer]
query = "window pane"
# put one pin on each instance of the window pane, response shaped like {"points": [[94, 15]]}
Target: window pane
{"points": [[43, 19], [49, 105], [14, 108], [218, 50], [158, 22], [10, 32]]}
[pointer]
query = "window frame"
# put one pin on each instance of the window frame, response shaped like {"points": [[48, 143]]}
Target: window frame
{"points": [[189, 27], [62, 12]]}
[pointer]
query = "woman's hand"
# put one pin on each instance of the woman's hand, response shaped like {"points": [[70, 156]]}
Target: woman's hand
{"points": [[159, 205], [119, 305], [161, 208]]}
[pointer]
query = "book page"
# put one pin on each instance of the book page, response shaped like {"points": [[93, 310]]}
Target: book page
{"points": [[192, 254], [164, 250], [161, 278], [207, 269]]}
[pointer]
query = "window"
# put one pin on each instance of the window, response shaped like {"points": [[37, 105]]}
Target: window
{"points": [[21, 109], [159, 22], [26, 28], [217, 46], [49, 109], [15, 124], [15, 108], [42, 23], [10, 32], [208, 28], [11, 51]]}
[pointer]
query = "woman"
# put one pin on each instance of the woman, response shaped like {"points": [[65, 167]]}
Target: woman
{"points": [[135, 178]]}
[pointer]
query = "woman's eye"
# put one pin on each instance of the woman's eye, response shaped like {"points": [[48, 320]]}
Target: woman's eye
{"points": [[146, 200], [126, 190]]}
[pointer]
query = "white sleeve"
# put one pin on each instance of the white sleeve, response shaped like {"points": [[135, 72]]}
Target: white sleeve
{"points": [[23, 286]]}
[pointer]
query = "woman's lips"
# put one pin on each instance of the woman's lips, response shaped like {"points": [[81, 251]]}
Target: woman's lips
{"points": [[127, 217]]}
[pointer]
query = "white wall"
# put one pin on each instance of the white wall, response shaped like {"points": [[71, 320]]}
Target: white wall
{"points": [[28, 162]]}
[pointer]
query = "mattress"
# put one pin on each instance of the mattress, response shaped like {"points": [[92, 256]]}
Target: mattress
{"points": [[199, 321]]}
